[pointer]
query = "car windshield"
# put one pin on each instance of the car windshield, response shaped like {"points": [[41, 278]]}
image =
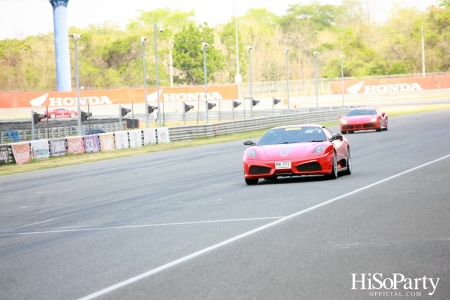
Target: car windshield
{"points": [[292, 135], [361, 112]]}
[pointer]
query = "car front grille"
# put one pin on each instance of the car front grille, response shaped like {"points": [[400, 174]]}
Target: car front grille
{"points": [[369, 125], [254, 170], [348, 126], [312, 166]]}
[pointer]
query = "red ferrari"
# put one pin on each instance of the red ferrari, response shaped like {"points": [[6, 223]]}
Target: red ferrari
{"points": [[61, 112], [309, 149], [366, 118]]}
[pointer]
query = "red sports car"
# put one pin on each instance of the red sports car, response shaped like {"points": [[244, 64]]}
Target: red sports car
{"points": [[366, 118], [308, 149], [61, 112]]}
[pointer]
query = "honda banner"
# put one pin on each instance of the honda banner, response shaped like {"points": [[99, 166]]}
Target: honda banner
{"points": [[119, 97], [392, 85]]}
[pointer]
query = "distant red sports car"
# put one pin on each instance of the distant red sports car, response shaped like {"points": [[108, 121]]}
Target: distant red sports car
{"points": [[308, 149], [60, 112], [366, 118]]}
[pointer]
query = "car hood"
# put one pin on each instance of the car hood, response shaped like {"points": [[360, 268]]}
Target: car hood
{"points": [[290, 150]]}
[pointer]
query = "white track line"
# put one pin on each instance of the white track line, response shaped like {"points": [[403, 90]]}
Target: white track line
{"points": [[238, 237], [130, 226]]}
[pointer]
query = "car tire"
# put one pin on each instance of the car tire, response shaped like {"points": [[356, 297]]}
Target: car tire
{"points": [[380, 128], [349, 164], [334, 170], [72, 115], [386, 125], [251, 181], [52, 115]]}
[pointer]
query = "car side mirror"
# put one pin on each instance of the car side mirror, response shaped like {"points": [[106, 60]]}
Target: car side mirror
{"points": [[340, 117], [337, 136], [249, 143], [383, 114]]}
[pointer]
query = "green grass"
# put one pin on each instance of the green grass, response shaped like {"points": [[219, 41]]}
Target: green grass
{"points": [[74, 159]]}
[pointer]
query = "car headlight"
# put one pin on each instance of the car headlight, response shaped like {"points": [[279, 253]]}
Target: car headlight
{"points": [[251, 153], [343, 121], [319, 149], [374, 119]]}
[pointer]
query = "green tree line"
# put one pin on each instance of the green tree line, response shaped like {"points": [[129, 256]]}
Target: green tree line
{"points": [[111, 57]]}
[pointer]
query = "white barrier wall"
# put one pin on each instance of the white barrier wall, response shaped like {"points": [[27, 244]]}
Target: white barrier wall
{"points": [[121, 138], [149, 136], [135, 138], [163, 135]]}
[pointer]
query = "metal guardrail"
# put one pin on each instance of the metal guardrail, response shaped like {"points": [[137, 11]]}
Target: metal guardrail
{"points": [[196, 131]]}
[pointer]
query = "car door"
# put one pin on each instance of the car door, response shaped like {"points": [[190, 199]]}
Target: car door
{"points": [[339, 145]]}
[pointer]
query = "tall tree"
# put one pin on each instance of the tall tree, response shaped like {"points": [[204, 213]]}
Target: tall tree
{"points": [[188, 54]]}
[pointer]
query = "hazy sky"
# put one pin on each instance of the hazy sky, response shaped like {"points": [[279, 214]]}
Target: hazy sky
{"points": [[20, 18]]}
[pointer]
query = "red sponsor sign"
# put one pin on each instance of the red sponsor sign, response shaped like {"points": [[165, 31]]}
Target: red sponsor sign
{"points": [[122, 96], [391, 85], [75, 145], [21, 152]]}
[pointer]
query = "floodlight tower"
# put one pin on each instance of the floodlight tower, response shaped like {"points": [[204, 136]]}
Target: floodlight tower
{"points": [[61, 45]]}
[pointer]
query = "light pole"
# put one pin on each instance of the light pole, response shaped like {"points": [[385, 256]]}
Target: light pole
{"points": [[342, 77], [250, 81], [315, 75], [204, 45], [156, 64], [76, 37], [143, 40], [423, 54], [287, 76]]}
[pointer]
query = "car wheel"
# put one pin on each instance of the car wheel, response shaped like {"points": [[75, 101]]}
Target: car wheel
{"points": [[349, 164], [251, 181], [379, 129], [72, 115], [52, 115], [386, 125], [334, 170]]}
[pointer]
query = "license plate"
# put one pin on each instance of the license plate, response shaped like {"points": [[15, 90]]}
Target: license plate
{"points": [[283, 165]]}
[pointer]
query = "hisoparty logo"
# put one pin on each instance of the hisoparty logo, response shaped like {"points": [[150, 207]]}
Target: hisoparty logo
{"points": [[375, 281], [383, 88]]}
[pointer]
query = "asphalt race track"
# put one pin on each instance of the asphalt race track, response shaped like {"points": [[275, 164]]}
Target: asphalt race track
{"points": [[183, 224]]}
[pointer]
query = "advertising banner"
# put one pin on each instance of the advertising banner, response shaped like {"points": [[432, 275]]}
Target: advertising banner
{"points": [[21, 152], [391, 85], [39, 149], [107, 141], [58, 147], [149, 136], [75, 145], [135, 138], [4, 157], [55, 99], [163, 135], [121, 139], [91, 143]]}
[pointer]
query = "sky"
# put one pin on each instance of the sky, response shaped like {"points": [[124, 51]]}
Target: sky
{"points": [[21, 18]]}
